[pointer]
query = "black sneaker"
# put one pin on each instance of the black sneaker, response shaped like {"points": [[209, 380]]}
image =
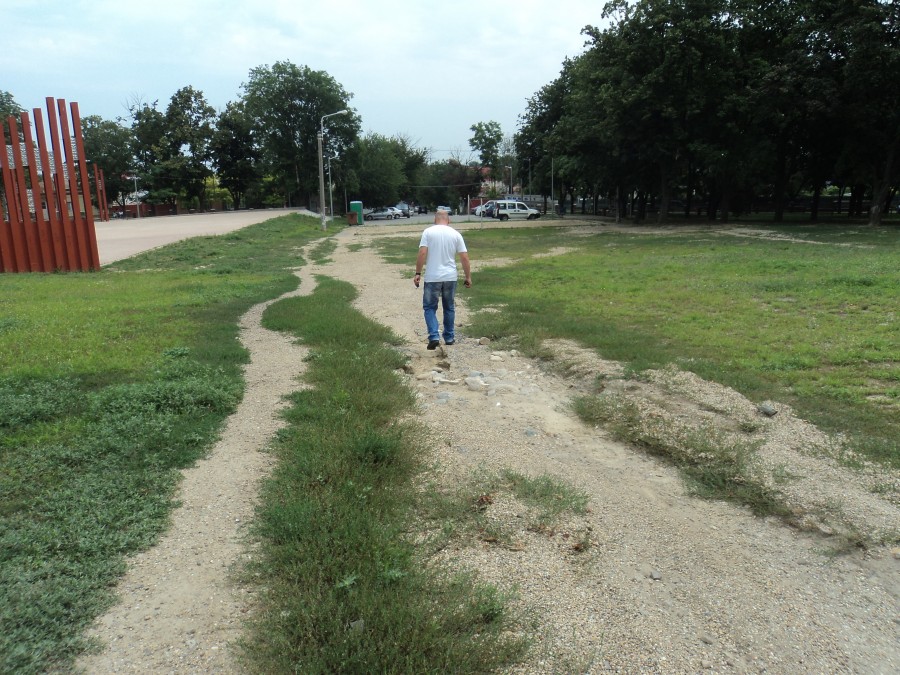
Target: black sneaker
{"points": [[449, 342], [433, 344]]}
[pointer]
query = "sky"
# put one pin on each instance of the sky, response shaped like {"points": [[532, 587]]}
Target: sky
{"points": [[427, 70]]}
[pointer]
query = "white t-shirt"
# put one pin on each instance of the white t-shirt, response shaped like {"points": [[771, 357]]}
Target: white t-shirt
{"points": [[443, 244]]}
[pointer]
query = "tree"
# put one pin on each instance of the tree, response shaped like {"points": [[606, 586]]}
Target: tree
{"points": [[868, 33], [148, 130], [412, 163], [378, 171], [8, 106], [186, 152], [286, 103], [235, 153], [536, 139], [108, 145], [486, 140]]}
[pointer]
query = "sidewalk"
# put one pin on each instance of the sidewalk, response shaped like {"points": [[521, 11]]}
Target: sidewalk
{"points": [[118, 239]]}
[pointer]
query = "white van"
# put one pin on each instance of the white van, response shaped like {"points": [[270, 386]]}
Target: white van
{"points": [[508, 208]]}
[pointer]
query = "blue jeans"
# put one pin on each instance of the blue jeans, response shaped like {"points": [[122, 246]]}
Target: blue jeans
{"points": [[445, 290]]}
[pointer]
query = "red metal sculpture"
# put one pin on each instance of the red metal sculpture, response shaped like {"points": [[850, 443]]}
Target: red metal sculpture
{"points": [[47, 214]]}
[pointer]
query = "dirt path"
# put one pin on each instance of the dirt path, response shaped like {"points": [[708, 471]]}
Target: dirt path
{"points": [[180, 609], [650, 580]]}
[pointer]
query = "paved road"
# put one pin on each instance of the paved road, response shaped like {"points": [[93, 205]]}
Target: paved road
{"points": [[120, 239]]}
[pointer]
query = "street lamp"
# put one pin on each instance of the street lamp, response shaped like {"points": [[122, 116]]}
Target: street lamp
{"points": [[529, 176], [330, 186], [510, 179], [321, 136], [137, 203]]}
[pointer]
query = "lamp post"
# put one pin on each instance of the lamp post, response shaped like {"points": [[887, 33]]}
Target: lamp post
{"points": [[529, 177], [330, 185], [321, 136], [510, 178], [137, 203]]}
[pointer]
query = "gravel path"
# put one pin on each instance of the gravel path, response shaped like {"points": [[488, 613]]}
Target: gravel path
{"points": [[649, 580]]}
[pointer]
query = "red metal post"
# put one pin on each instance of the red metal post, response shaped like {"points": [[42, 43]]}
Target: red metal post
{"points": [[8, 262], [92, 251], [60, 258], [42, 229], [84, 258], [71, 243], [100, 182], [23, 227]]}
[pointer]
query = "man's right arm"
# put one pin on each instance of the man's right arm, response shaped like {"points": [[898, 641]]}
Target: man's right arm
{"points": [[467, 269], [420, 264]]}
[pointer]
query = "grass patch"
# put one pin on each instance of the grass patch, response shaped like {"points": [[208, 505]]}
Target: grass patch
{"points": [[462, 512], [100, 409], [344, 588], [320, 252], [810, 324]]}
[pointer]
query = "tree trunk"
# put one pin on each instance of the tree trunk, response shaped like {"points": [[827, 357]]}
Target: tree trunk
{"points": [[814, 209], [857, 191], [780, 180], [881, 188], [712, 204], [619, 204], [642, 206], [665, 196]]}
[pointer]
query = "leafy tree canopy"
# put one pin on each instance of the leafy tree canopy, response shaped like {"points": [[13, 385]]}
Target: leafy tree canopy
{"points": [[108, 144], [286, 103], [8, 105], [486, 140]]}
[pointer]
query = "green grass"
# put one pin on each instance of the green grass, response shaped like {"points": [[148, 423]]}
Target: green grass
{"points": [[813, 325], [109, 384], [344, 587]]}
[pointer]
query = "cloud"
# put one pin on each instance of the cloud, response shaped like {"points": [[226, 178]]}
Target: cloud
{"points": [[428, 70]]}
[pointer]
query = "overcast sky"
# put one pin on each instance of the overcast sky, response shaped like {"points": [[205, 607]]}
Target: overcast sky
{"points": [[427, 70]]}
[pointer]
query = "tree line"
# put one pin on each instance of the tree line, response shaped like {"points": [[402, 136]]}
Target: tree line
{"points": [[261, 150], [697, 107], [722, 107]]}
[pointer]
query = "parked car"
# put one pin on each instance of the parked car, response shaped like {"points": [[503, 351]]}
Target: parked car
{"points": [[445, 208], [507, 208], [482, 209], [397, 213], [381, 213], [421, 209], [404, 209]]}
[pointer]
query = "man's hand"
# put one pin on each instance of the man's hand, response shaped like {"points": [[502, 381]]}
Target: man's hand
{"points": [[416, 280], [468, 283]]}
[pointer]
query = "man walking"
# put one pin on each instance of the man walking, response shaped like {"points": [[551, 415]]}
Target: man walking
{"points": [[438, 249]]}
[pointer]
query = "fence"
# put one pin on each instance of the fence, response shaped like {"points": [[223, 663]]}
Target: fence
{"points": [[45, 200]]}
